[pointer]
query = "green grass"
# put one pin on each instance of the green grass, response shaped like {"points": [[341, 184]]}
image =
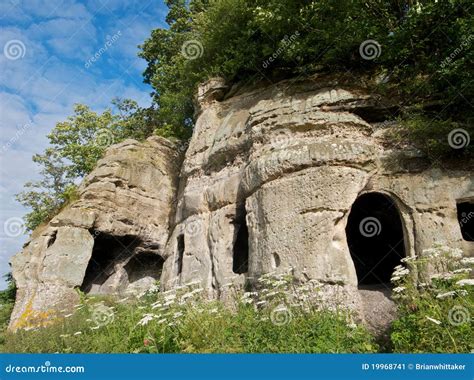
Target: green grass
{"points": [[185, 321], [433, 294]]}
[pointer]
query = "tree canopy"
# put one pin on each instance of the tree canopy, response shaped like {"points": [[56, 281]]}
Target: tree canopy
{"points": [[420, 47]]}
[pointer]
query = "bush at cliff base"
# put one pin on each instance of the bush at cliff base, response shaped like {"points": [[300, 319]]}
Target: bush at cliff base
{"points": [[435, 302]]}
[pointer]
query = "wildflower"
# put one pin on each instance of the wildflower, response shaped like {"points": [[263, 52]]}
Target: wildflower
{"points": [[467, 260], [456, 253], [171, 297], [462, 270], [399, 289], [467, 281], [145, 320], [447, 294], [213, 311], [433, 320], [442, 276], [146, 342]]}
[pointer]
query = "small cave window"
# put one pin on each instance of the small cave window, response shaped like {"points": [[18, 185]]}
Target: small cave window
{"points": [[466, 219], [52, 239], [240, 263], [107, 252], [375, 237], [144, 264], [181, 248]]}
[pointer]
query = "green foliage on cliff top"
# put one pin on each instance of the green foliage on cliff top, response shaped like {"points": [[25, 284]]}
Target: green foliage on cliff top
{"points": [[423, 51]]}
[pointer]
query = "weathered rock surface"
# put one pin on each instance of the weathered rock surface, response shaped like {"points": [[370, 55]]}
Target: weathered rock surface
{"points": [[111, 240], [268, 184]]}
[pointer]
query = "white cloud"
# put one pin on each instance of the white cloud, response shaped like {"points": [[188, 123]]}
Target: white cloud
{"points": [[40, 88]]}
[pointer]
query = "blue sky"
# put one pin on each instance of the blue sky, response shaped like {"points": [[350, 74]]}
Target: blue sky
{"points": [[45, 48]]}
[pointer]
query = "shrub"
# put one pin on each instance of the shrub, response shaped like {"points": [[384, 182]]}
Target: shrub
{"points": [[435, 303]]}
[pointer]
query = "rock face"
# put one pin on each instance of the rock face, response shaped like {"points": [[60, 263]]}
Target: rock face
{"points": [[295, 176], [111, 241]]}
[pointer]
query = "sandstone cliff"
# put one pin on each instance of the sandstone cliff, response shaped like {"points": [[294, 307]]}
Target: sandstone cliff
{"points": [[275, 179]]}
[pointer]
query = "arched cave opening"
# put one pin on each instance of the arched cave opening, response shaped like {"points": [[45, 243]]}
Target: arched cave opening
{"points": [[240, 261], [117, 262], [375, 237], [108, 251]]}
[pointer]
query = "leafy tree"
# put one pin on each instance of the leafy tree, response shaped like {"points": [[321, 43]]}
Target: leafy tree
{"points": [[8, 295], [46, 196], [75, 147]]}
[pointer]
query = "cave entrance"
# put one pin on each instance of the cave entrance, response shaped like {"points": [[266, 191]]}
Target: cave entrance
{"points": [[118, 264], [240, 262], [375, 238], [465, 212], [108, 252], [144, 266]]}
